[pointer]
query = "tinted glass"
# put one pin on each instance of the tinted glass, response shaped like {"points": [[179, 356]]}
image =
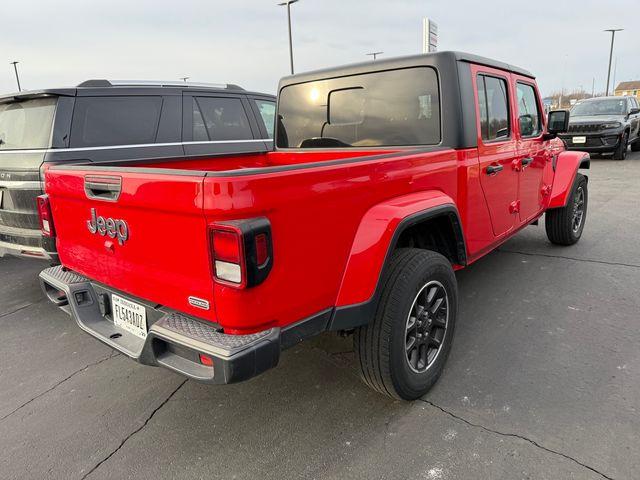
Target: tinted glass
{"points": [[493, 104], [26, 125], [528, 111], [267, 111], [608, 106], [104, 121], [222, 119], [400, 107]]}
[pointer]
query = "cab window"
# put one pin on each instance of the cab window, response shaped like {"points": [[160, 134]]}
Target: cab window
{"points": [[493, 105], [528, 111]]}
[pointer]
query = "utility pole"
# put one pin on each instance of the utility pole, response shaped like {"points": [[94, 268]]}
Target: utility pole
{"points": [[593, 86], [15, 67], [288, 5], [613, 36], [184, 79], [374, 54]]}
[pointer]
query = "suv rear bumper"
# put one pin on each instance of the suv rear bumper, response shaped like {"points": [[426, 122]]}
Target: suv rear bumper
{"points": [[29, 251], [174, 340]]}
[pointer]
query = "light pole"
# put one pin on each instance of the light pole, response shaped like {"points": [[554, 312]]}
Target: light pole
{"points": [[613, 36], [374, 54], [184, 79], [15, 67], [288, 4]]}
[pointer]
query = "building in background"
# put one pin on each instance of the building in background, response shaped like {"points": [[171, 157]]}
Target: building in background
{"points": [[429, 35], [631, 89]]}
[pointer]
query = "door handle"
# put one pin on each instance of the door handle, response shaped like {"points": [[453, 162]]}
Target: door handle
{"points": [[493, 169], [526, 161]]}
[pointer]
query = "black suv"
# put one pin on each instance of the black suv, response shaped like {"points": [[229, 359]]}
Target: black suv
{"points": [[604, 125], [104, 121]]}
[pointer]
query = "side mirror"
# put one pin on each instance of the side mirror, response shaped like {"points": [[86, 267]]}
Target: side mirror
{"points": [[557, 122], [633, 111], [526, 125]]}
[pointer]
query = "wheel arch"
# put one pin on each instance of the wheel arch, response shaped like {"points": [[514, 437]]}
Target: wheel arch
{"points": [[566, 168], [408, 217]]}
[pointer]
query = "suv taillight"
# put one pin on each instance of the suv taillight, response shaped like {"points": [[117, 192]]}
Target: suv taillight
{"points": [[46, 220], [242, 252]]}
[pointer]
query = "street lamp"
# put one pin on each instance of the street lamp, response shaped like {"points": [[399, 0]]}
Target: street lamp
{"points": [[15, 67], [613, 36], [288, 4], [374, 54]]}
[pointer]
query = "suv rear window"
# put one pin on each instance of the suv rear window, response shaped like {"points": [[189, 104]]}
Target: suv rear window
{"points": [[27, 125], [398, 107], [107, 121]]}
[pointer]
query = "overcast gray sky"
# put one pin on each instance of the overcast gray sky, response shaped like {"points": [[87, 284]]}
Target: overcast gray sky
{"points": [[63, 42]]}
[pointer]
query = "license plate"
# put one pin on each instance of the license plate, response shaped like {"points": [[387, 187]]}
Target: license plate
{"points": [[129, 316], [579, 139]]}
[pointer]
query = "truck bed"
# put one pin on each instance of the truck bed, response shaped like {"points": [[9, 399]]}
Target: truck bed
{"points": [[315, 201]]}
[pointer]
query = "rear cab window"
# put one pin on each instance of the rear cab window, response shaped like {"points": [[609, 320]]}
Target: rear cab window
{"points": [[115, 120], [493, 107], [391, 108], [26, 125]]}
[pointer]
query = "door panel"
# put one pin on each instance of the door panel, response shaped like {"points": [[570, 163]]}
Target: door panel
{"points": [[496, 146], [534, 156]]}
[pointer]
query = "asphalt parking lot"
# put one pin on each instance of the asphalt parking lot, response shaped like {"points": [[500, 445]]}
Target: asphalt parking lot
{"points": [[543, 382]]}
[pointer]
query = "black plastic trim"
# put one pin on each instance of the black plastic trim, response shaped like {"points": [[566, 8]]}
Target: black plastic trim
{"points": [[351, 316]]}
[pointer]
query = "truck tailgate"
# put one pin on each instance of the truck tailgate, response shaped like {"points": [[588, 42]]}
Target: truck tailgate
{"points": [[149, 240]]}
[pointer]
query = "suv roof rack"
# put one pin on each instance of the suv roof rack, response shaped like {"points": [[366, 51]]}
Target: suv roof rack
{"points": [[155, 83]]}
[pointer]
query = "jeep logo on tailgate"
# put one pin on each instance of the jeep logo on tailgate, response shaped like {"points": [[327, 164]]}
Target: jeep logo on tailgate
{"points": [[109, 227]]}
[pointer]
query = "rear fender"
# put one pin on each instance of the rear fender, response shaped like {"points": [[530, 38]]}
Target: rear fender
{"points": [[566, 168], [374, 242]]}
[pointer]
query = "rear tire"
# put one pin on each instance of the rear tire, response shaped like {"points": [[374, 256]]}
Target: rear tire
{"points": [[564, 226], [402, 351], [621, 152]]}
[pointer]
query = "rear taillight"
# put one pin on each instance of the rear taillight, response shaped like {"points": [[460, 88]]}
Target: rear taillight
{"points": [[46, 220], [242, 252]]}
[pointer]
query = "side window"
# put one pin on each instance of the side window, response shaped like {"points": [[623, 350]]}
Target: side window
{"points": [[528, 111], [493, 104], [217, 118], [105, 121], [267, 111]]}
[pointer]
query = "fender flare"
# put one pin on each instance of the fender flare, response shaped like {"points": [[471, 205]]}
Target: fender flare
{"points": [[373, 244], [566, 164]]}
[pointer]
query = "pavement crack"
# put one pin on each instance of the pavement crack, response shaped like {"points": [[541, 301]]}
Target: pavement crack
{"points": [[58, 384], [144, 424], [22, 307], [585, 260], [515, 435]]}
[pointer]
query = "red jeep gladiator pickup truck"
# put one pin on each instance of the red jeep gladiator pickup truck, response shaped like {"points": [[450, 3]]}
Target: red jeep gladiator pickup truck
{"points": [[386, 178]]}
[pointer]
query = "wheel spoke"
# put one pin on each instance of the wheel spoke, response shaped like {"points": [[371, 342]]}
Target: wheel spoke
{"points": [[434, 342], [411, 342], [431, 295], [437, 305], [413, 358], [439, 322], [411, 323]]}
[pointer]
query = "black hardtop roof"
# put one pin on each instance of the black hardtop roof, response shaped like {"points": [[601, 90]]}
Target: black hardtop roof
{"points": [[401, 62], [106, 87]]}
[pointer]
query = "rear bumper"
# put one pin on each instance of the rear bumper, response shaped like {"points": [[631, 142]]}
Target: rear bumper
{"points": [[173, 341], [26, 251]]}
